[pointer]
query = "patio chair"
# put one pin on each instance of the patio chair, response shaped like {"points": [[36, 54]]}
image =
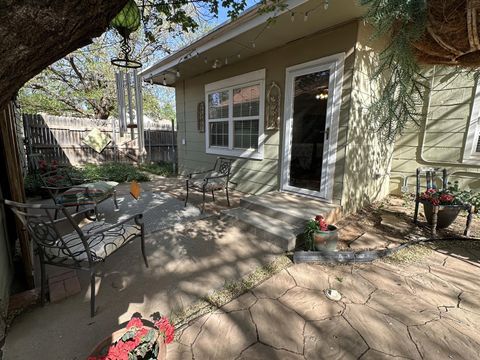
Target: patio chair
{"points": [[432, 179], [81, 248], [211, 180], [67, 191]]}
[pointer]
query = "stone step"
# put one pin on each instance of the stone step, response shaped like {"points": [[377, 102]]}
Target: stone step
{"points": [[291, 208], [264, 227]]}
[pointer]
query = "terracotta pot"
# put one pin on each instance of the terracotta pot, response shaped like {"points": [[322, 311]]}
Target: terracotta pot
{"points": [[326, 240], [103, 346], [446, 214]]}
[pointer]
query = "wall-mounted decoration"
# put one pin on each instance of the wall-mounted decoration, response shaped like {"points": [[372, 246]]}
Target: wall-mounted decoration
{"points": [[201, 116], [273, 107]]}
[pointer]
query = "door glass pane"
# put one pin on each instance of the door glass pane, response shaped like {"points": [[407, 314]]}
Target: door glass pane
{"points": [[308, 129]]}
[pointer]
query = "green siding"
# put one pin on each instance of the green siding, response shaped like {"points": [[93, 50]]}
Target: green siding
{"points": [[367, 157], [259, 176], [447, 120]]}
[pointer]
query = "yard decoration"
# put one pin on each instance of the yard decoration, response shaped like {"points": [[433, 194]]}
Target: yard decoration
{"points": [[448, 207], [126, 22], [273, 106], [319, 235], [420, 32], [138, 340]]}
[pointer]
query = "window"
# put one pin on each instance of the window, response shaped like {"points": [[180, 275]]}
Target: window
{"points": [[471, 153], [234, 113]]}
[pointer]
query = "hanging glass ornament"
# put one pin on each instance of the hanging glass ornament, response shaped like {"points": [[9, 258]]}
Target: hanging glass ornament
{"points": [[126, 22]]}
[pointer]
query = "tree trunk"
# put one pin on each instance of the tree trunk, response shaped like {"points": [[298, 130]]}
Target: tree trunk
{"points": [[35, 34]]}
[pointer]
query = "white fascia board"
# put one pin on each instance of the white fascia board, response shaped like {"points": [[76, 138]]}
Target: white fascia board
{"points": [[223, 36]]}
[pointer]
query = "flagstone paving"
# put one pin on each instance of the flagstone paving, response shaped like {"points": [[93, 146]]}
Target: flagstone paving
{"points": [[424, 310]]}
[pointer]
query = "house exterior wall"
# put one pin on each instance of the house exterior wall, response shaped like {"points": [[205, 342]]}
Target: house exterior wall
{"points": [[259, 176], [444, 127], [367, 156]]}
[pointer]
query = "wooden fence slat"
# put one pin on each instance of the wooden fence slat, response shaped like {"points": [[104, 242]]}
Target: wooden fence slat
{"points": [[60, 138]]}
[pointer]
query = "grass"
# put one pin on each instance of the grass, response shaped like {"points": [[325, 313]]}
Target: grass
{"points": [[408, 255], [161, 168]]}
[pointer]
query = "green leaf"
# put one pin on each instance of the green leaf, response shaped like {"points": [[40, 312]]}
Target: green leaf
{"points": [[128, 335]]}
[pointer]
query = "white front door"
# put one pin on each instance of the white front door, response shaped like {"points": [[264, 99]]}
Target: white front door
{"points": [[312, 108]]}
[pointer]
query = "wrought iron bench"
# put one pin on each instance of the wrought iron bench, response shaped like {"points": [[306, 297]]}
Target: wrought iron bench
{"points": [[211, 180], [82, 248]]}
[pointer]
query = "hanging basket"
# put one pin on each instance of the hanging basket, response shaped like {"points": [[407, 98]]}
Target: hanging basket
{"points": [[452, 34]]}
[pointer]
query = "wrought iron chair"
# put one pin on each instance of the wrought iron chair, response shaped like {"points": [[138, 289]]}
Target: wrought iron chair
{"points": [[431, 178], [82, 248], [211, 180], [68, 192]]}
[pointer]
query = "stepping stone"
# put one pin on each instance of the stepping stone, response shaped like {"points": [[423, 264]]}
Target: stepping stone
{"points": [[332, 338]]}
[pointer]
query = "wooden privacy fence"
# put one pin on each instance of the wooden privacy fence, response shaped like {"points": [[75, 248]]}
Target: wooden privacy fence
{"points": [[61, 138]]}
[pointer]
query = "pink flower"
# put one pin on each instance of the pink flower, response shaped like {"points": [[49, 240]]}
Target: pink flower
{"points": [[166, 328], [135, 322], [446, 198], [435, 202]]}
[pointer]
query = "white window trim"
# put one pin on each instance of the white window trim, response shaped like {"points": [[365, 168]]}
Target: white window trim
{"points": [[254, 77], [470, 156]]}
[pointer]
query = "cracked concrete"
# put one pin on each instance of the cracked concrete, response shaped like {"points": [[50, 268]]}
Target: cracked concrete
{"points": [[424, 310]]}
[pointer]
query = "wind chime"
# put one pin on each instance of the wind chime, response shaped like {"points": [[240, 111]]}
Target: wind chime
{"points": [[128, 85]]}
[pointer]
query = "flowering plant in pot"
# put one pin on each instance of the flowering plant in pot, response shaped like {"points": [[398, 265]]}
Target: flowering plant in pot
{"points": [[449, 205], [320, 235], [141, 339]]}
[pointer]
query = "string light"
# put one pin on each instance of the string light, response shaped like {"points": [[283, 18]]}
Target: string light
{"points": [[253, 44], [226, 61], [239, 55], [151, 81], [178, 73], [305, 17], [205, 60], [164, 81], [325, 4], [292, 17]]}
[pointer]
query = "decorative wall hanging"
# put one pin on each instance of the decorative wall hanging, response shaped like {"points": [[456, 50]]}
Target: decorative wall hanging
{"points": [[201, 116], [273, 106]]}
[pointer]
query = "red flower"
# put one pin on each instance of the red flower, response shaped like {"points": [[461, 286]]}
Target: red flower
{"points": [[140, 334], [168, 330], [446, 198], [435, 202], [135, 322]]}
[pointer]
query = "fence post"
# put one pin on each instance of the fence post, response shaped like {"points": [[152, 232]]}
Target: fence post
{"points": [[174, 163]]}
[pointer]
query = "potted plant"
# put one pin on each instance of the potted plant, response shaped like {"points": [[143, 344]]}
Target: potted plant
{"points": [[449, 206], [141, 339], [319, 235]]}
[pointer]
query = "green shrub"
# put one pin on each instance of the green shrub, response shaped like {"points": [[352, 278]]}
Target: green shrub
{"points": [[91, 172], [161, 168], [113, 172], [33, 184]]}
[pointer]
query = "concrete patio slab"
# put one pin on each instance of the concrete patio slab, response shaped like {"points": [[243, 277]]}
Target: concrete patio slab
{"points": [[187, 262]]}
